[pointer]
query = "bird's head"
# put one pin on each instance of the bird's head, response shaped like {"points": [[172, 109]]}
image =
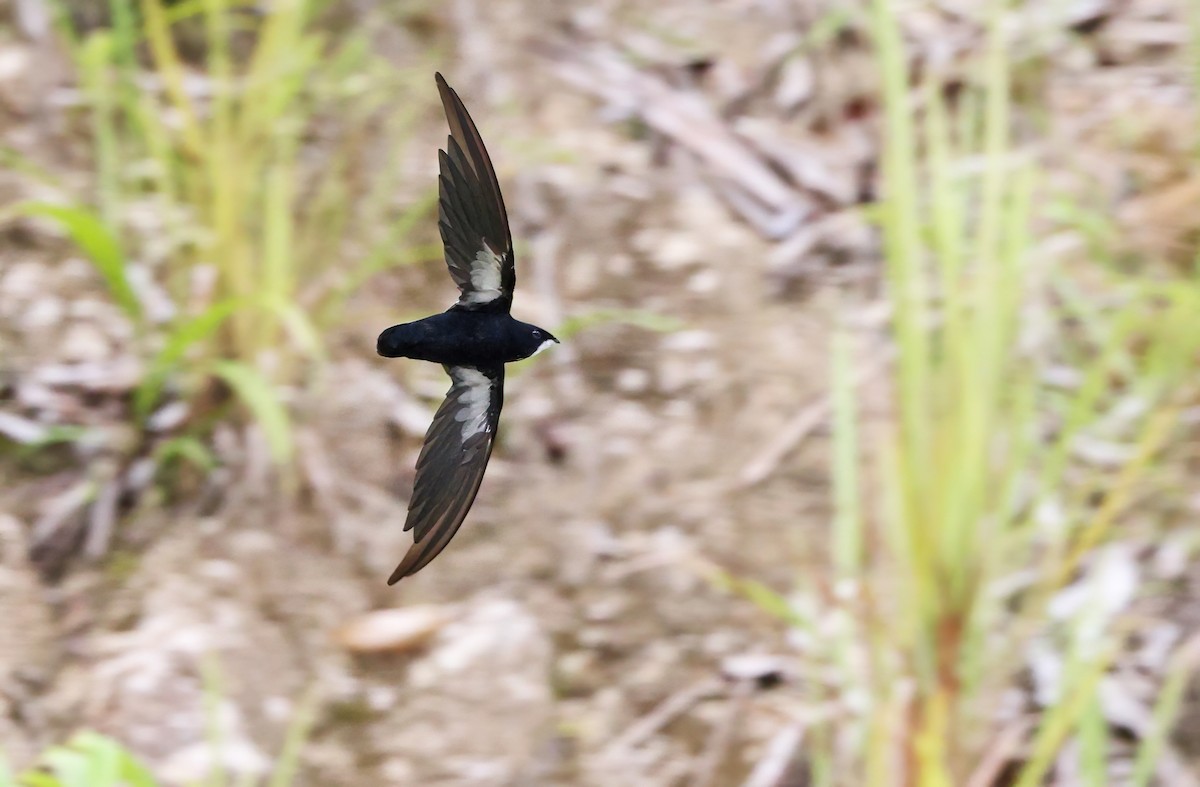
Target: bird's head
{"points": [[536, 340]]}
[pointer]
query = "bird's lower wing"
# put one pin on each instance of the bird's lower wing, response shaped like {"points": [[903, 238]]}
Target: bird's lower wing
{"points": [[451, 464]]}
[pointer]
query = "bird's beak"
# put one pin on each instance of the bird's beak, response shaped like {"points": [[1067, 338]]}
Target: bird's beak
{"points": [[549, 340]]}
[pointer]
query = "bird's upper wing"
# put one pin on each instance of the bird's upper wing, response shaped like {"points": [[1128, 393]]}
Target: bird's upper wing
{"points": [[471, 214], [450, 467]]}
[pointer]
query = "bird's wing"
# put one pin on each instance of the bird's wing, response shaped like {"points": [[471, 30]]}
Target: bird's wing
{"points": [[450, 467], [471, 215]]}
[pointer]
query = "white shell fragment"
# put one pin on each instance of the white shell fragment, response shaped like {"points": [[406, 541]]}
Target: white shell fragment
{"points": [[393, 630]]}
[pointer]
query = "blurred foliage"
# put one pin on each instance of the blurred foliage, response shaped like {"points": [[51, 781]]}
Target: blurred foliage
{"points": [[97, 242], [202, 116], [950, 504], [89, 759]]}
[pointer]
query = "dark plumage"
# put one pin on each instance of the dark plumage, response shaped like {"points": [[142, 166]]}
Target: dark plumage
{"points": [[472, 340]]}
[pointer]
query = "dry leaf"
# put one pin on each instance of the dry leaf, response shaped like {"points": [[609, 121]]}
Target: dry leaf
{"points": [[393, 630]]}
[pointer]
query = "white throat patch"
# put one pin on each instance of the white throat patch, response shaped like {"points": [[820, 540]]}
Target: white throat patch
{"points": [[543, 346]]}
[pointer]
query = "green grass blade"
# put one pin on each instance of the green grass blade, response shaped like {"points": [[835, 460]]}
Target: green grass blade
{"points": [[87, 760], [17, 162], [104, 758], [187, 448], [212, 681], [639, 318], [72, 768], [276, 283], [297, 733], [901, 226], [1059, 719], [1093, 745], [97, 242], [259, 397], [157, 30], [847, 528], [134, 773], [1166, 711], [758, 594], [297, 324], [183, 338], [96, 58], [1193, 19]]}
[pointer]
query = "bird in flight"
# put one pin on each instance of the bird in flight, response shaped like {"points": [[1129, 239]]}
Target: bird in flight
{"points": [[472, 340]]}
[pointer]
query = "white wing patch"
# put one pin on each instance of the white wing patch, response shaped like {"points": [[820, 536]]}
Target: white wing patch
{"points": [[485, 277], [474, 402]]}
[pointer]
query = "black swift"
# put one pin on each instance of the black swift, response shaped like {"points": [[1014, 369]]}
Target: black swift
{"points": [[473, 339]]}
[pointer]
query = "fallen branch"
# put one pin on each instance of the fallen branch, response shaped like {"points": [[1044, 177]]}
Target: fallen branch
{"points": [[803, 424]]}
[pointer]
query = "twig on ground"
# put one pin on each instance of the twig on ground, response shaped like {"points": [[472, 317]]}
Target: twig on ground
{"points": [[687, 119], [722, 736], [777, 760], [803, 424], [323, 480], [1006, 747], [60, 510], [544, 256], [663, 714], [102, 519]]}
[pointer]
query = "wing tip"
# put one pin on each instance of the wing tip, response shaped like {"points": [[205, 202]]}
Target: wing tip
{"points": [[409, 565], [449, 97], [417, 557]]}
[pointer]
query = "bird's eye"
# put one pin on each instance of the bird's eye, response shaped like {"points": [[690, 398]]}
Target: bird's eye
{"points": [[538, 334]]}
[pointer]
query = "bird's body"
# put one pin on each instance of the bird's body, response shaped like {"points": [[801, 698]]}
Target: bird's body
{"points": [[464, 338], [473, 339]]}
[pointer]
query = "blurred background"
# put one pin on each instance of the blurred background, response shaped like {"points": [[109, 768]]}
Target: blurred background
{"points": [[867, 459]]}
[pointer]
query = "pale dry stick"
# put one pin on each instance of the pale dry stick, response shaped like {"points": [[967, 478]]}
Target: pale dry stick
{"points": [[323, 479], [793, 433], [61, 510], [690, 122], [803, 424], [803, 165], [663, 714], [773, 768], [21, 430], [773, 225], [544, 256], [1006, 747], [722, 736], [61, 525], [33, 18], [12, 540], [1173, 768], [368, 496], [567, 379], [1170, 766], [317, 468], [102, 519]]}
